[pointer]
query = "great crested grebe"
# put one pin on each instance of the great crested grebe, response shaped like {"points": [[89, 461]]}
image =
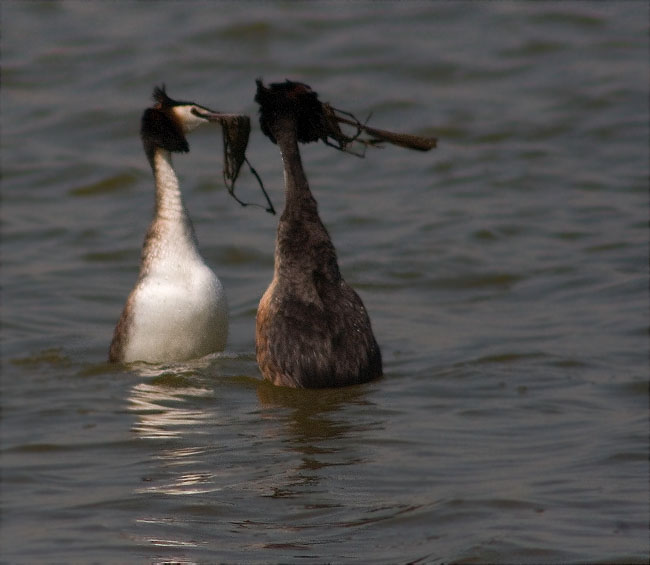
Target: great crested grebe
{"points": [[312, 329], [177, 309]]}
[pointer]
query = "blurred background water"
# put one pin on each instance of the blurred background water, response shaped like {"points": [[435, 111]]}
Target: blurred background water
{"points": [[506, 275]]}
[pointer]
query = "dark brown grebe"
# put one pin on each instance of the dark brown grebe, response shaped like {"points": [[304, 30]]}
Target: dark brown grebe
{"points": [[312, 328]]}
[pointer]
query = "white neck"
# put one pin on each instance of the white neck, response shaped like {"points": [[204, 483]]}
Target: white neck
{"points": [[169, 202], [171, 232]]}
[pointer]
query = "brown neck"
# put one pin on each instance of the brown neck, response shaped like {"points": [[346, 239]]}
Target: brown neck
{"points": [[303, 243], [299, 198]]}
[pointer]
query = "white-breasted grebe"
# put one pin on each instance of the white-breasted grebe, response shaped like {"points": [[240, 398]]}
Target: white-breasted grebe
{"points": [[312, 329], [178, 308]]}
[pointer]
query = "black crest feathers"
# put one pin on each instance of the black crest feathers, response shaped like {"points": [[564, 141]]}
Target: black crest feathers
{"points": [[158, 126], [290, 99], [159, 129]]}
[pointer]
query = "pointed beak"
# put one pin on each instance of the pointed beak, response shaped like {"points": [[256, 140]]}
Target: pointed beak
{"points": [[212, 116]]}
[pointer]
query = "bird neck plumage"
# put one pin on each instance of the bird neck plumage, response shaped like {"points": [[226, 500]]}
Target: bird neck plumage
{"points": [[303, 245], [169, 201], [298, 196], [171, 232]]}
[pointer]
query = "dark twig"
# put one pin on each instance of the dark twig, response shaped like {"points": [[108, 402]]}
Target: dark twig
{"points": [[409, 141], [270, 209]]}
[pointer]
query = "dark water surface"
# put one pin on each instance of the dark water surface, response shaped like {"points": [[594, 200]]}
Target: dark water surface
{"points": [[506, 274]]}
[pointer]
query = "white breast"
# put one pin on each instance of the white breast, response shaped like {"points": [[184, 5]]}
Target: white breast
{"points": [[178, 313], [178, 309]]}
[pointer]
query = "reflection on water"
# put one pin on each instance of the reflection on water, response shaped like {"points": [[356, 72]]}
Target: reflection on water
{"points": [[163, 412], [310, 415], [203, 467], [312, 425], [180, 406], [166, 412], [176, 398], [184, 484], [170, 405]]}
